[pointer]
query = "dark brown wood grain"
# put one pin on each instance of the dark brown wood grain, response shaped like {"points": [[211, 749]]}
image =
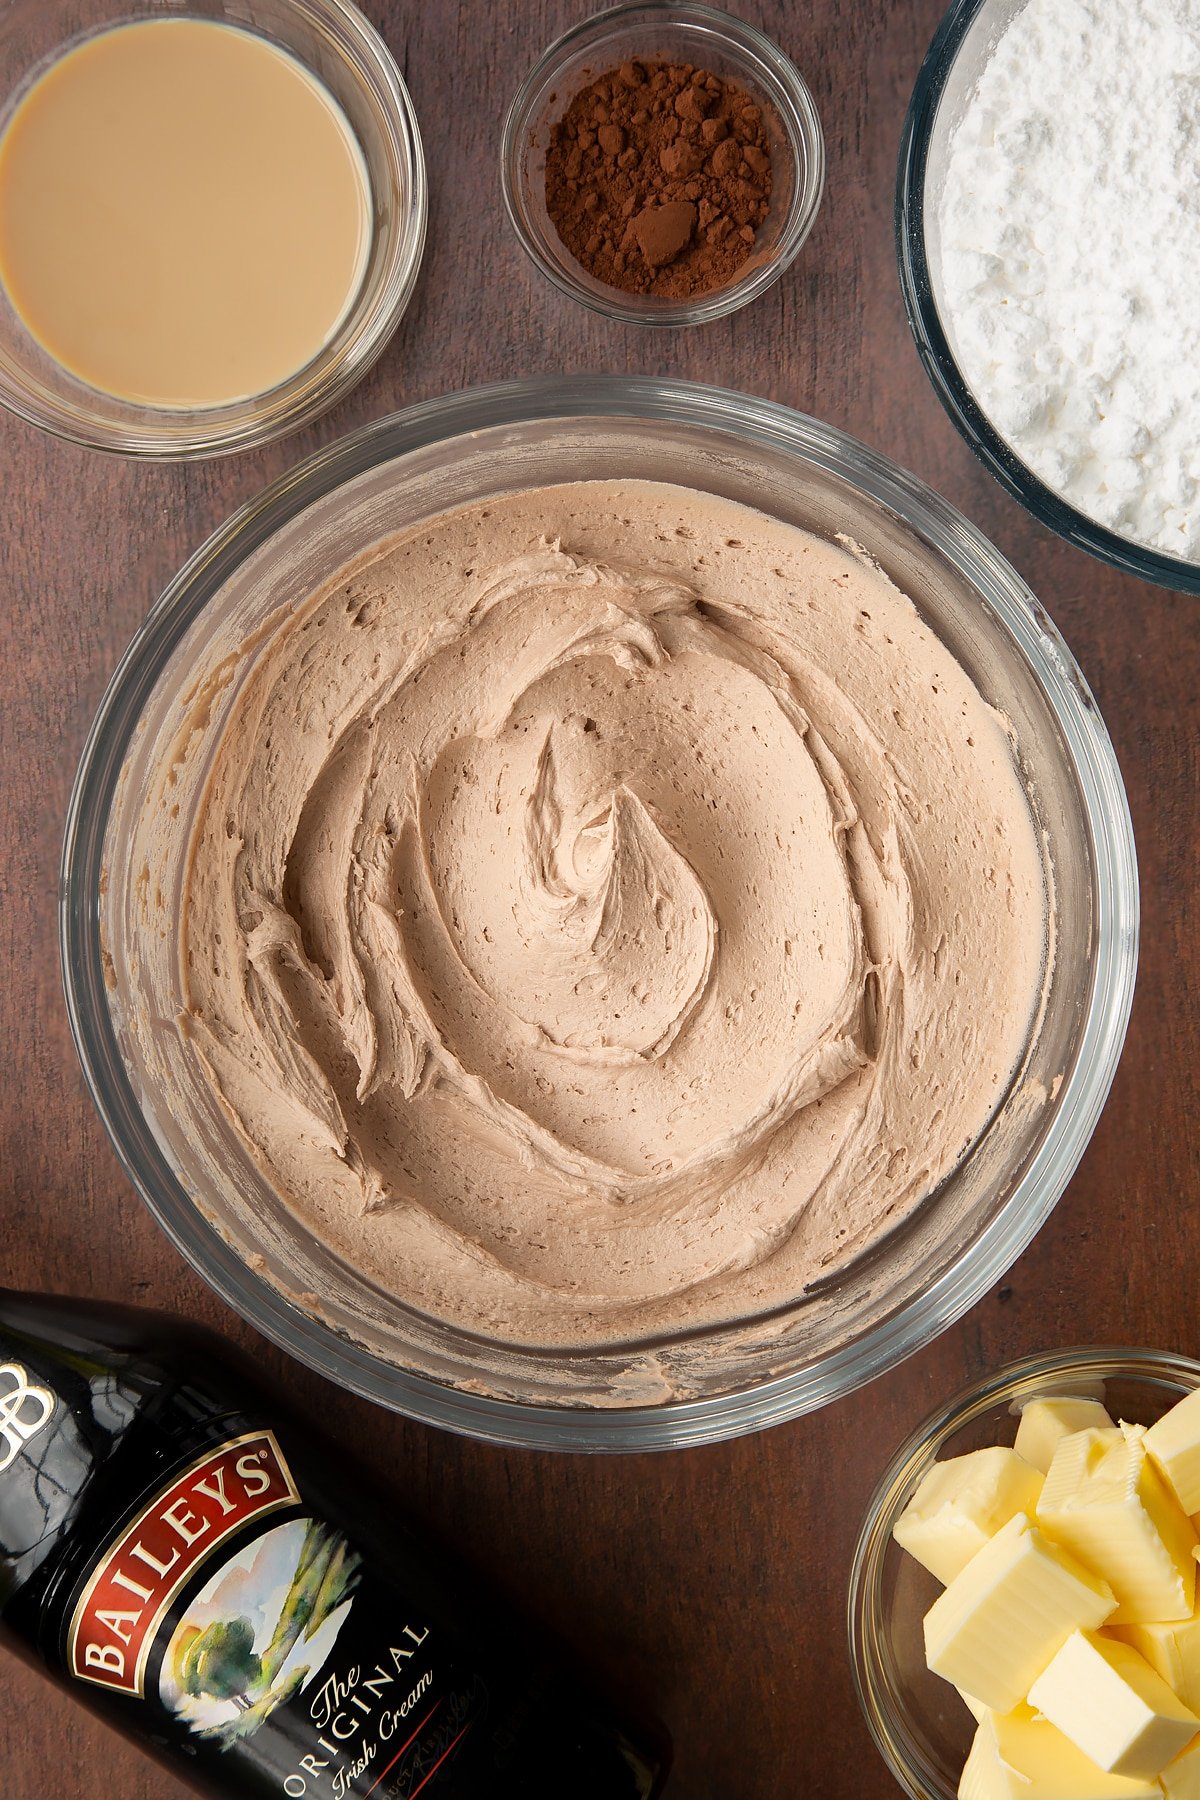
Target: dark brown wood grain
{"points": [[714, 1581]]}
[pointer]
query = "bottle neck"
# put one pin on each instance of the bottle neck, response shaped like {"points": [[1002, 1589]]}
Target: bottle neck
{"points": [[75, 1381]]}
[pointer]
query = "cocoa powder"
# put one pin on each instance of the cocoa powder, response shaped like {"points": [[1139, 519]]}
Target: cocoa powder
{"points": [[658, 177]]}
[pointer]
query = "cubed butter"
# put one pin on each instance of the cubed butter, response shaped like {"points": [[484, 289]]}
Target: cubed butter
{"points": [[1113, 1706], [1018, 1756], [962, 1503], [1106, 1503], [975, 1707], [996, 1626], [984, 1776], [1174, 1446], [1173, 1649], [1181, 1779], [1049, 1419]]}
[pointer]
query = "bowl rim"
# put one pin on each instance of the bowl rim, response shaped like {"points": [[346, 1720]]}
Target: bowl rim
{"points": [[800, 118], [294, 402], [670, 1424], [895, 1485], [938, 358]]}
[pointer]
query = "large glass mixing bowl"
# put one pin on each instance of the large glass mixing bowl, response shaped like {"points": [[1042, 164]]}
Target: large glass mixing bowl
{"points": [[195, 1174]]}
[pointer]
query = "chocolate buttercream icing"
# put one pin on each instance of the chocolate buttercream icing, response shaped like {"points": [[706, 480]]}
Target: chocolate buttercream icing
{"points": [[609, 910]]}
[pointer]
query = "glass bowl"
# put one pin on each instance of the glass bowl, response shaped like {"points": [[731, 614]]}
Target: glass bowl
{"points": [[944, 85], [333, 40], [920, 1726], [194, 1173], [662, 32]]}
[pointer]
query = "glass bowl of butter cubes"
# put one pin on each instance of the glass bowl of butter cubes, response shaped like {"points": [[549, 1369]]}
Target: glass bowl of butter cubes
{"points": [[1024, 1612]]}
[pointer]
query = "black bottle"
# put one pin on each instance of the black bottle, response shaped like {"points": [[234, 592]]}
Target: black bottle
{"points": [[181, 1556]]}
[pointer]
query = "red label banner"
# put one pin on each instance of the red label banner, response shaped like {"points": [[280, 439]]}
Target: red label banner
{"points": [[119, 1612]]}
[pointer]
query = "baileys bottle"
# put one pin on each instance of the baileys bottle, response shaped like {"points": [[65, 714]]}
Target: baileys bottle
{"points": [[174, 1550]]}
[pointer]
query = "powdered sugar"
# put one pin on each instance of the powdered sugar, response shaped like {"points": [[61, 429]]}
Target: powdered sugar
{"points": [[1070, 256]]}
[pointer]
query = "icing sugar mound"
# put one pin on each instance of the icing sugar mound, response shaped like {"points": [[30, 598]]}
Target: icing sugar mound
{"points": [[1070, 257]]}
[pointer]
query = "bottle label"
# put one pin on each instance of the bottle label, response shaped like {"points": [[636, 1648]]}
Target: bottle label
{"points": [[24, 1409], [265, 1649], [282, 1659], [117, 1616]]}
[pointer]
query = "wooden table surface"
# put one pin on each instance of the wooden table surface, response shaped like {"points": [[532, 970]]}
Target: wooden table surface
{"points": [[714, 1580]]}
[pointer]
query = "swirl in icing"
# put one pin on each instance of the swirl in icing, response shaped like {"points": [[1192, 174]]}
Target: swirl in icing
{"points": [[608, 910]]}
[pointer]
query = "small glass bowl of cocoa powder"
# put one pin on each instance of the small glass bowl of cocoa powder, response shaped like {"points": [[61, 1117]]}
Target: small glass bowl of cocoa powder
{"points": [[663, 163]]}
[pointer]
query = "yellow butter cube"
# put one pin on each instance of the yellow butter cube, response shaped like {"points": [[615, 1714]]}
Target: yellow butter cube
{"points": [[1173, 1649], [984, 1775], [996, 1626], [1113, 1706], [1105, 1501], [975, 1707], [1181, 1779], [1018, 1756], [963, 1502], [1046, 1421], [1174, 1446]]}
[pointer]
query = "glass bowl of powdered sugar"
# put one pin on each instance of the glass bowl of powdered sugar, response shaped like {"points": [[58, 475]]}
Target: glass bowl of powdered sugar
{"points": [[1048, 223]]}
